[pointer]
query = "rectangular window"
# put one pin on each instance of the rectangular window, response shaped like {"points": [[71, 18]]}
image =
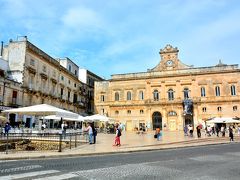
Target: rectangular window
{"points": [[62, 78], [217, 91], [14, 97], [32, 62], [61, 93], [44, 69], [102, 98], [75, 98], [69, 93], [203, 92], [233, 90]]}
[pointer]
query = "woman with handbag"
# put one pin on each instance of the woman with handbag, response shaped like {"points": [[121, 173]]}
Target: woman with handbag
{"points": [[157, 133]]}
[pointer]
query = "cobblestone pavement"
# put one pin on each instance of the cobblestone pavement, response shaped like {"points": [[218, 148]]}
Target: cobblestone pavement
{"points": [[130, 142]]}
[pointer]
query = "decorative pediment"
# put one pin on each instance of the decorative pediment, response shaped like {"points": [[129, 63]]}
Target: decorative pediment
{"points": [[169, 60], [169, 49]]}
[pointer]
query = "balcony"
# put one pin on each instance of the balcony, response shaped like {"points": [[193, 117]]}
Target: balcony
{"points": [[31, 70], [163, 101], [54, 80], [44, 76]]}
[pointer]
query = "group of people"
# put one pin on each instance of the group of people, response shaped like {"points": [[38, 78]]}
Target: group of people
{"points": [[92, 133], [209, 131]]}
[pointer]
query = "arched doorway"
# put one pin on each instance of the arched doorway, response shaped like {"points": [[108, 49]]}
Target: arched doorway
{"points": [[157, 120]]}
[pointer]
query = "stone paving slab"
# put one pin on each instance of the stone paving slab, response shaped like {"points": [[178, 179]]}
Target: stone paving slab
{"points": [[130, 142]]}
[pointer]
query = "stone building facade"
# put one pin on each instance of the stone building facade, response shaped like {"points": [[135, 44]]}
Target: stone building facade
{"points": [[89, 78], [10, 90], [43, 79], [171, 94]]}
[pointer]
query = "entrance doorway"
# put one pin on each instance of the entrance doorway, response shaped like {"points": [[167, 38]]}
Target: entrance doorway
{"points": [[157, 120], [12, 120], [188, 119]]}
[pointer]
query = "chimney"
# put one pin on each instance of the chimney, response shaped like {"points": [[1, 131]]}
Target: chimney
{"points": [[1, 48]]}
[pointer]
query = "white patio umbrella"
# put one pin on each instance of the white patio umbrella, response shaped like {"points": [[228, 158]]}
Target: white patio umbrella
{"points": [[43, 110], [226, 120], [79, 119], [97, 117]]}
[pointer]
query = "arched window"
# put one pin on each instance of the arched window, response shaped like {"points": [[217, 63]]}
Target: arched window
{"points": [[186, 93], [155, 95], [128, 111], [233, 90], [217, 91], [234, 108], [204, 109], [141, 111], [129, 95], [203, 92], [170, 95], [116, 96], [116, 112], [141, 95], [219, 109]]}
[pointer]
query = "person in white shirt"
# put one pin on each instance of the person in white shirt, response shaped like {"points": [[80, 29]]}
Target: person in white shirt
{"points": [[90, 133]]}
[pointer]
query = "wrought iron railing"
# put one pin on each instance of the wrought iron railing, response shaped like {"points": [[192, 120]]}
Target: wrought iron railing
{"points": [[41, 141]]}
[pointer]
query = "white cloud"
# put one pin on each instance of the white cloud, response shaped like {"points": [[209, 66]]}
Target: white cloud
{"points": [[79, 17]]}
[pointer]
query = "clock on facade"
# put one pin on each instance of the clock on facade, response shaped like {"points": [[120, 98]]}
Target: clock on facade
{"points": [[169, 63]]}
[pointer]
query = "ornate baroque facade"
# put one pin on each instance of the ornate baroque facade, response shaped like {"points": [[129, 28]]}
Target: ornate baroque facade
{"points": [[171, 94]]}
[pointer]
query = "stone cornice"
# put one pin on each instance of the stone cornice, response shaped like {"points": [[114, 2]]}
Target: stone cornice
{"points": [[183, 72]]}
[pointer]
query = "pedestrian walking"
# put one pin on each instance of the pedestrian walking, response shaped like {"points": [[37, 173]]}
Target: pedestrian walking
{"points": [[94, 132], [190, 130], [7, 129], [198, 131], [117, 141], [230, 133], [238, 130], [209, 130], [90, 132], [223, 131], [64, 129], [158, 133], [185, 129], [217, 130]]}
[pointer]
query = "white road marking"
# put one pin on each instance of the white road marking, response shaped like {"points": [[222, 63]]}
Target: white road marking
{"points": [[27, 175], [4, 161], [23, 168], [59, 177]]}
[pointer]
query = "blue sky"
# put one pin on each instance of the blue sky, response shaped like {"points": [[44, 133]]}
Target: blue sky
{"points": [[115, 37]]}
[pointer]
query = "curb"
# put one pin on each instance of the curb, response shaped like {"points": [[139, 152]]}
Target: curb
{"points": [[179, 144]]}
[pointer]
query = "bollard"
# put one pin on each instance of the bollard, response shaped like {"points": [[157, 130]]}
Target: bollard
{"points": [[60, 143]]}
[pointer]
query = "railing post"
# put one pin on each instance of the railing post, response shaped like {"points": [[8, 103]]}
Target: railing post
{"points": [[60, 143], [75, 140], [7, 145], [70, 136]]}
